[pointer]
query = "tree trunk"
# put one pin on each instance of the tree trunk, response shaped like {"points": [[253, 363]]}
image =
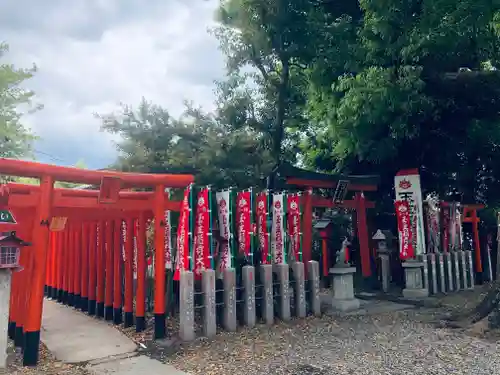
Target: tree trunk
{"points": [[279, 130], [488, 307]]}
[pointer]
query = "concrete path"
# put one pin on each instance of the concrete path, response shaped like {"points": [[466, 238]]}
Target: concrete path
{"points": [[74, 337]]}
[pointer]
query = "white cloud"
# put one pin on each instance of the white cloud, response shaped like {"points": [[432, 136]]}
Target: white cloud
{"points": [[92, 55]]}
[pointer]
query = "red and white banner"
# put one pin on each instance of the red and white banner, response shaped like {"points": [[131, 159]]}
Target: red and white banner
{"points": [[223, 201], [182, 261], [277, 237], [405, 230], [407, 188], [168, 241], [262, 226], [293, 204], [243, 220], [201, 231]]}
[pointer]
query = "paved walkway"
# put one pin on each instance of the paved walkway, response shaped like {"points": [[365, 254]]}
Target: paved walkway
{"points": [[74, 337]]}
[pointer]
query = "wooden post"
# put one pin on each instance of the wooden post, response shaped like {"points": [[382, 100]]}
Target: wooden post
{"points": [[117, 272], [40, 239], [364, 247], [92, 268], [129, 273], [140, 303], [84, 277], [307, 227], [108, 298], [78, 265], [101, 266], [71, 267], [159, 235], [477, 247]]}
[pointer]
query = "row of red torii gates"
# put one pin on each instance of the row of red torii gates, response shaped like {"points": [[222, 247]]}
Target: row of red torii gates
{"points": [[35, 208]]}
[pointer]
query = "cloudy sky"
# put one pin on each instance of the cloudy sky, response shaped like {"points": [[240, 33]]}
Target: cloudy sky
{"points": [[94, 54]]}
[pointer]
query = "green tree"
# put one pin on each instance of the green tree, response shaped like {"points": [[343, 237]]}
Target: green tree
{"points": [[15, 139], [197, 143], [265, 43], [416, 89]]}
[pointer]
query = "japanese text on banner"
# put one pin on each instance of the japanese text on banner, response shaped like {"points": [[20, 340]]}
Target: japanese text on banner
{"points": [[405, 230], [243, 218], [225, 231], [182, 261], [201, 237], [262, 226], [277, 238], [293, 201]]}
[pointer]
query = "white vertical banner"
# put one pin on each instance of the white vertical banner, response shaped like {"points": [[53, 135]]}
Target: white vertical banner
{"points": [[223, 205], [124, 240], [277, 236], [407, 188]]}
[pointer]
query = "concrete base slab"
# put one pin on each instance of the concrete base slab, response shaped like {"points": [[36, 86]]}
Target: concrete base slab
{"points": [[140, 365], [345, 304], [415, 293], [74, 337]]}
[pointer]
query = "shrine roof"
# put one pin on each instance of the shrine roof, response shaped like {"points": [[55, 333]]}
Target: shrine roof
{"points": [[11, 238], [289, 171]]}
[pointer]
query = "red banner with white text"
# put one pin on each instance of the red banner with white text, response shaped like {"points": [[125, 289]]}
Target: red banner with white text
{"points": [[243, 220], [406, 250], [182, 261], [293, 207], [262, 227], [201, 230]]}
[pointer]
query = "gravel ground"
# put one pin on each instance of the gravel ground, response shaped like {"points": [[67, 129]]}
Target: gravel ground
{"points": [[386, 344], [47, 365], [401, 342]]}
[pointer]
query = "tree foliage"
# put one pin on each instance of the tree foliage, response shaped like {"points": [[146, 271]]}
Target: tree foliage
{"points": [[198, 143], [264, 42], [15, 139], [417, 89]]}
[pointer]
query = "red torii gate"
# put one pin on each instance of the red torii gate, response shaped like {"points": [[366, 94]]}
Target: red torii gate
{"points": [[38, 208], [308, 180]]}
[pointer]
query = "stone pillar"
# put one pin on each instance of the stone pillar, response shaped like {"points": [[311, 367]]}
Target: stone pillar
{"points": [[489, 266], [343, 289], [5, 283], [283, 271], [441, 273], [470, 269], [456, 269], [462, 265], [208, 288], [314, 299], [433, 274], [249, 316], [448, 272], [229, 281], [425, 270], [186, 306], [414, 283], [300, 293], [385, 270], [266, 278]]}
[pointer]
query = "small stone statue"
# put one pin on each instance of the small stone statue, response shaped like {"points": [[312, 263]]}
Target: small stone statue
{"points": [[342, 255]]}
